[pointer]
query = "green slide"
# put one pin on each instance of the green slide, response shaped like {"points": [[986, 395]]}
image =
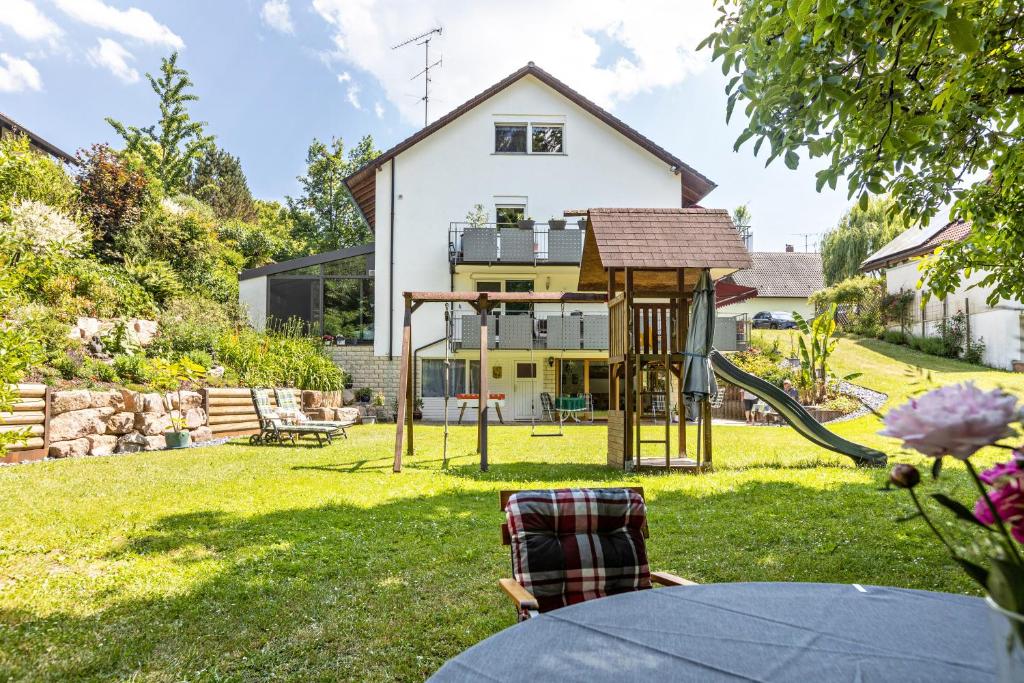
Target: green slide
{"points": [[794, 413]]}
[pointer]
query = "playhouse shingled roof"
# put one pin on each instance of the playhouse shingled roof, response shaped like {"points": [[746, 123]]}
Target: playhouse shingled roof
{"points": [[652, 240]]}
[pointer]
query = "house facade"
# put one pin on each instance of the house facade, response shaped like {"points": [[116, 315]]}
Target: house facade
{"points": [[489, 198], [999, 326]]}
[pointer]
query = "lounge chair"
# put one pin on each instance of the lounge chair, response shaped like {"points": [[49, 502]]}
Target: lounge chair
{"points": [[545, 533], [275, 429], [288, 408]]}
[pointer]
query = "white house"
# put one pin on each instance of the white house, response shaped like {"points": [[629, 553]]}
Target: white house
{"points": [[527, 148], [999, 326], [783, 279]]}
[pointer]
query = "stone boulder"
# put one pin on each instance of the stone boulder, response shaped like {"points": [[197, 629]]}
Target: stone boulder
{"points": [[120, 423], [66, 401], [195, 418], [347, 414], [133, 442], [155, 443], [79, 423], [132, 401], [189, 399], [201, 435], [102, 444], [312, 399], [85, 329], [151, 424], [69, 448], [152, 403], [143, 331], [348, 397], [107, 399]]}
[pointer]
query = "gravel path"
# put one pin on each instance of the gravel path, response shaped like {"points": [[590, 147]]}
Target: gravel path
{"points": [[870, 399]]}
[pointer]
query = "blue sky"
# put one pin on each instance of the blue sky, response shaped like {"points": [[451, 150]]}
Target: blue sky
{"points": [[272, 74]]}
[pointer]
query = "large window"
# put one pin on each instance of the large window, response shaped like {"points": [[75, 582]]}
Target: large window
{"points": [[432, 384], [510, 139], [333, 298], [521, 286], [508, 216], [529, 138]]}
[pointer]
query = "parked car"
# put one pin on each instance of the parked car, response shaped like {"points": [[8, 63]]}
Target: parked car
{"points": [[774, 320]]}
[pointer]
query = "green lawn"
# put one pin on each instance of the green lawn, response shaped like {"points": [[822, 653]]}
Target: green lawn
{"points": [[245, 563]]}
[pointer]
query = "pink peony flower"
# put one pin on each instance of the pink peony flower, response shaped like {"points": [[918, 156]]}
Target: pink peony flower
{"points": [[956, 420], [1009, 503], [1003, 470]]}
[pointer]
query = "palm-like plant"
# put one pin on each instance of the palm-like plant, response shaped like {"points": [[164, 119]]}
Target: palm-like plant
{"points": [[817, 343]]}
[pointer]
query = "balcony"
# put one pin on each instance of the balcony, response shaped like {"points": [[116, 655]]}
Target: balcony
{"points": [[489, 243], [532, 331]]}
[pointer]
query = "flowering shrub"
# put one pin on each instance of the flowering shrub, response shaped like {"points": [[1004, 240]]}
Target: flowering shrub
{"points": [[959, 420], [37, 227]]}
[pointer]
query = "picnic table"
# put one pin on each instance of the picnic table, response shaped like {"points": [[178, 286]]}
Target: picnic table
{"points": [[744, 631]]}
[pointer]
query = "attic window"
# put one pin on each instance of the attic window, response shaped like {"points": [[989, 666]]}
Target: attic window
{"points": [[529, 138]]}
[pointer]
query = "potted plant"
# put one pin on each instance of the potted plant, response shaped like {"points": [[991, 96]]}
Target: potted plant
{"points": [[328, 339], [958, 420], [526, 223], [556, 223], [477, 217], [364, 394], [168, 377]]}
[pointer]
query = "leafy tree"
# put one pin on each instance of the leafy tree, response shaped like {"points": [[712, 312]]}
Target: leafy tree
{"points": [[912, 99], [26, 175], [113, 192], [172, 145], [266, 240], [860, 233], [218, 180], [326, 216], [742, 218]]}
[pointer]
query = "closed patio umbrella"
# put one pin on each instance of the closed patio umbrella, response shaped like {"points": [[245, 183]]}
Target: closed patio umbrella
{"points": [[700, 381]]}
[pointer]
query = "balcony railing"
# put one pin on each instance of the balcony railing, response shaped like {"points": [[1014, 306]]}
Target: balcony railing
{"points": [[544, 243], [532, 331]]}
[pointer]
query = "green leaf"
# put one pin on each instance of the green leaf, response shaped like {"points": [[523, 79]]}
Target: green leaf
{"points": [[1006, 585], [959, 509], [792, 159], [936, 468], [862, 202], [744, 136], [976, 572], [961, 34]]}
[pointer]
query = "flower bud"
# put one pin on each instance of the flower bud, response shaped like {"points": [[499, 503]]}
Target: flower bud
{"points": [[905, 476]]}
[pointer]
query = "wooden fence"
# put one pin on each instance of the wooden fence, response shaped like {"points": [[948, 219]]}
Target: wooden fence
{"points": [[230, 411], [32, 411]]}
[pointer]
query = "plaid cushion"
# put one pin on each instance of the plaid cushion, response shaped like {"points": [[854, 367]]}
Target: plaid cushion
{"points": [[288, 407], [261, 401], [571, 545]]}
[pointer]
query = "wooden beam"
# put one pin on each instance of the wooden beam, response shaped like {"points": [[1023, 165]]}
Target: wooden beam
{"points": [[403, 382], [511, 297], [683, 314], [485, 394], [627, 378], [411, 384]]}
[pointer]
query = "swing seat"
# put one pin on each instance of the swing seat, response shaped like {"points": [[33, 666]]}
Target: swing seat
{"points": [[547, 407]]}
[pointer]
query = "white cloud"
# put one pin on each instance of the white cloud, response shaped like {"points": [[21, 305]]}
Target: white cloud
{"points": [[277, 15], [352, 95], [378, 109], [25, 19], [652, 44], [111, 55], [17, 75], [132, 22], [344, 77]]}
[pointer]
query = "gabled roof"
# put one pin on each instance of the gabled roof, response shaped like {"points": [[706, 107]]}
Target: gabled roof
{"points": [[362, 184], [659, 241], [915, 242], [305, 261], [782, 273], [53, 150]]}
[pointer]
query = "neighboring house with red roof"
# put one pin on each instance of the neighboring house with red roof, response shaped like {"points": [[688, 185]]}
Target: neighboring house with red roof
{"points": [[1001, 327], [783, 279]]}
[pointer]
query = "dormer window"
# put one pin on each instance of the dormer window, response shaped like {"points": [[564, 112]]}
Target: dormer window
{"points": [[529, 138]]}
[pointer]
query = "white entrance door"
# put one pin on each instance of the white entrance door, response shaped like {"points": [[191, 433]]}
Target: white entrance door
{"points": [[526, 397]]}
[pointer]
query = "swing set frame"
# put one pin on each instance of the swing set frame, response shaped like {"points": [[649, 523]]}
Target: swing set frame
{"points": [[482, 303]]}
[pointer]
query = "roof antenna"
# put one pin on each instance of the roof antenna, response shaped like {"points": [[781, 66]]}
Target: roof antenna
{"points": [[807, 239], [424, 40]]}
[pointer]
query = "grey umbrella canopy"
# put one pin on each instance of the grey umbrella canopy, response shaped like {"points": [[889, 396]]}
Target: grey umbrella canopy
{"points": [[700, 381]]}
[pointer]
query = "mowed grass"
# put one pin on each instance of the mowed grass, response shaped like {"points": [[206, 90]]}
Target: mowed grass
{"points": [[242, 563]]}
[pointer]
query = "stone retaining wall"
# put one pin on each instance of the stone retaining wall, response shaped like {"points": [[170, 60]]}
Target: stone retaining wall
{"points": [[367, 370], [84, 422]]}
